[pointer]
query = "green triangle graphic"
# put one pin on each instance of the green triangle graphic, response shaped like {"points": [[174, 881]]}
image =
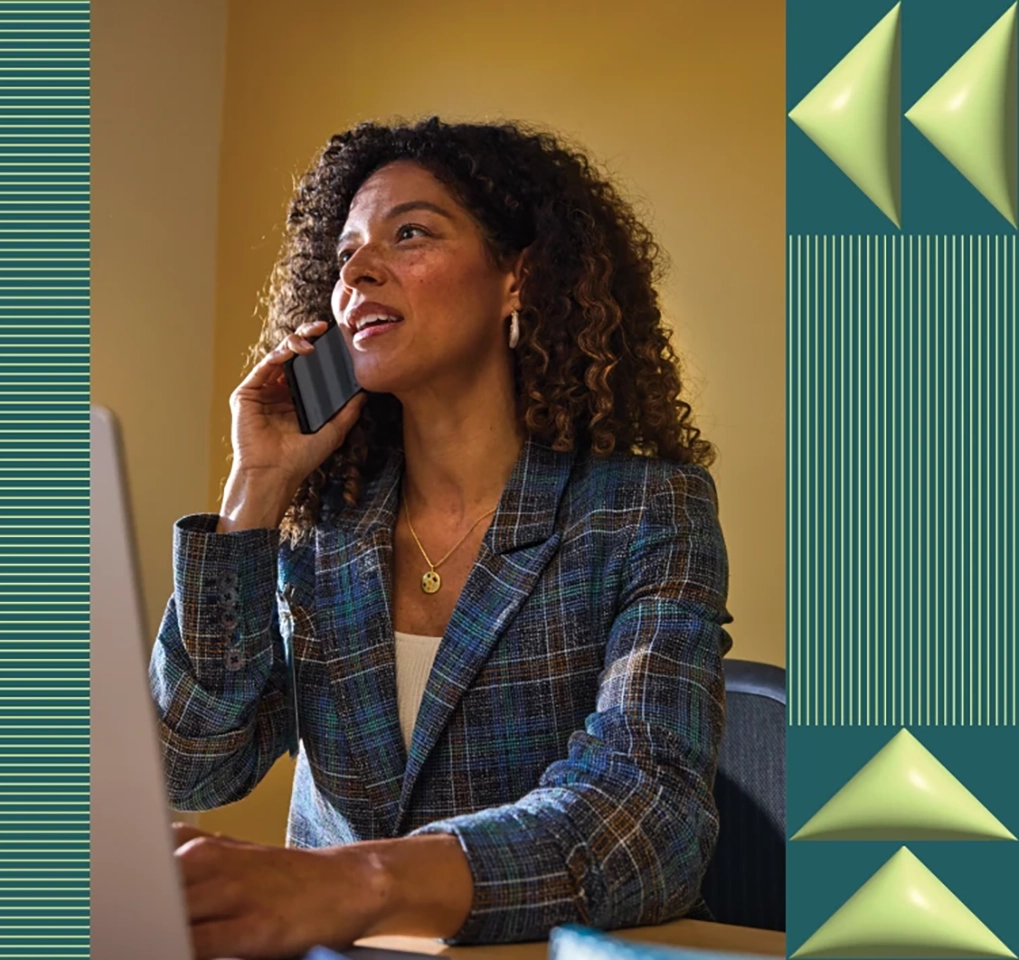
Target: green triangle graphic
{"points": [[853, 115], [903, 793], [970, 115], [903, 910]]}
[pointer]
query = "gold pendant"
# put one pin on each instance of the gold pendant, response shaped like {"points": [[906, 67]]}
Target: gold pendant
{"points": [[430, 582]]}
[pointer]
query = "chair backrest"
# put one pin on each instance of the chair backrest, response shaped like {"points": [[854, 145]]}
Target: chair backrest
{"points": [[745, 881]]}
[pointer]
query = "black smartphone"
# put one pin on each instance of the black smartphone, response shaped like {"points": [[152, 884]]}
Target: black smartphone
{"points": [[322, 382]]}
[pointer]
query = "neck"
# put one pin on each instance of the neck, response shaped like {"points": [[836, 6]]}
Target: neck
{"points": [[459, 451]]}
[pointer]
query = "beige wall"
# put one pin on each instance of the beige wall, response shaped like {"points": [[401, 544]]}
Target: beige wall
{"points": [[157, 81], [684, 101]]}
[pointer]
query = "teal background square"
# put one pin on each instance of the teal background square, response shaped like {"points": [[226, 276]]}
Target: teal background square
{"points": [[936, 198], [822, 875]]}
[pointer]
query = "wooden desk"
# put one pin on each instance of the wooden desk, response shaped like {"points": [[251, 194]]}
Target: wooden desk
{"points": [[679, 933]]}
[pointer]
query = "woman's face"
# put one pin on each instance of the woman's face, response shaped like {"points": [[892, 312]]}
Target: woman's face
{"points": [[411, 250]]}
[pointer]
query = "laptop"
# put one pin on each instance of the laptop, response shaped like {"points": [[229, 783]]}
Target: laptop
{"points": [[138, 907]]}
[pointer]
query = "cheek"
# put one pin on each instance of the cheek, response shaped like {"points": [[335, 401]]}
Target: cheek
{"points": [[425, 271], [437, 279]]}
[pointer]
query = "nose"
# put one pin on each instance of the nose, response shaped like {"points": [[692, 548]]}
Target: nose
{"points": [[362, 266]]}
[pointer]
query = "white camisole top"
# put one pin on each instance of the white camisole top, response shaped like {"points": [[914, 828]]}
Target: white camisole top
{"points": [[414, 657]]}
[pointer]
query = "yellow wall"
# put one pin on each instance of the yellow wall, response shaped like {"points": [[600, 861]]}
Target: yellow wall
{"points": [[157, 80], [684, 101], [157, 77]]}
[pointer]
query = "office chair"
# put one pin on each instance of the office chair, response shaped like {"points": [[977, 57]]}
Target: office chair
{"points": [[745, 881]]}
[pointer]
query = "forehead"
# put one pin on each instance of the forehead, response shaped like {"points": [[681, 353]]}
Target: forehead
{"points": [[398, 182]]}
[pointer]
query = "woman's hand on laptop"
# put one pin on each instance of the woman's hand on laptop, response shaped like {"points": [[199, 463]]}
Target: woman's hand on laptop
{"points": [[253, 901], [260, 902]]}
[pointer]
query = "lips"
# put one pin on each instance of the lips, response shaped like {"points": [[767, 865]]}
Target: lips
{"points": [[368, 311], [375, 330], [375, 322]]}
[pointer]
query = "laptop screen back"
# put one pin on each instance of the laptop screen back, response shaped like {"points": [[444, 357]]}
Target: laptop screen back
{"points": [[137, 902]]}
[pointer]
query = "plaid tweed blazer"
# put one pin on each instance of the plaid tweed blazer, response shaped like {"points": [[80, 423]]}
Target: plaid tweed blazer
{"points": [[570, 725]]}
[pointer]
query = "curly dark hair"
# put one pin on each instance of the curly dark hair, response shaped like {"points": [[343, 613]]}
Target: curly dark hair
{"points": [[594, 368]]}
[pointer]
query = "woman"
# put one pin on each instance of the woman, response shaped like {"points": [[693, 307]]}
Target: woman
{"points": [[521, 480]]}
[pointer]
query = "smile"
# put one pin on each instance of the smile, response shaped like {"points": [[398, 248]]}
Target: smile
{"points": [[375, 330]]}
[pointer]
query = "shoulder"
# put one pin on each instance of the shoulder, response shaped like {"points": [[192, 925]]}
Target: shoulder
{"points": [[641, 485], [660, 519]]}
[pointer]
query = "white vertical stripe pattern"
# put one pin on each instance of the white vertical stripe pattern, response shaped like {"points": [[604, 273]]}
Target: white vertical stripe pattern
{"points": [[902, 480]]}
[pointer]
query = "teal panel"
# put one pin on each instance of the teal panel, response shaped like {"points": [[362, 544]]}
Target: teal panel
{"points": [[44, 491]]}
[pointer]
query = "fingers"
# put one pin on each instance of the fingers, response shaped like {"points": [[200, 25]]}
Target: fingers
{"points": [[353, 407], [341, 423], [199, 858], [213, 899], [203, 855], [182, 832], [247, 936], [311, 328], [268, 368]]}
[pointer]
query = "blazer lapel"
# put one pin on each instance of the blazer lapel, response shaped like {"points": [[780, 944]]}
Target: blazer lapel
{"points": [[353, 596], [517, 546]]}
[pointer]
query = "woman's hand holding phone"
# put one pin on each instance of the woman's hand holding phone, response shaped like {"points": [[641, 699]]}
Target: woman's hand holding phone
{"points": [[271, 456]]}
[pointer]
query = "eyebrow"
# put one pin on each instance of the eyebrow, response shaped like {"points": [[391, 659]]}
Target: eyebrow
{"points": [[397, 210]]}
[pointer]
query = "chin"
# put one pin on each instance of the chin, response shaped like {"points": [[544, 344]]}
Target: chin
{"points": [[404, 372], [374, 380]]}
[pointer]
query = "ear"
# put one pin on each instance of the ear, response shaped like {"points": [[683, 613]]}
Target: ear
{"points": [[515, 277]]}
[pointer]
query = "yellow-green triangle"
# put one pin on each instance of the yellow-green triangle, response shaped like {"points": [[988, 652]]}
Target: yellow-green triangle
{"points": [[853, 115], [903, 793], [970, 115], [903, 910]]}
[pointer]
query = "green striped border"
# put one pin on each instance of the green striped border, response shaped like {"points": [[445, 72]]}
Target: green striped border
{"points": [[903, 480], [44, 493]]}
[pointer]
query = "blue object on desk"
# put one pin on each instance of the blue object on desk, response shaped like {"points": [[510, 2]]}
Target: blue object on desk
{"points": [[359, 953], [574, 942]]}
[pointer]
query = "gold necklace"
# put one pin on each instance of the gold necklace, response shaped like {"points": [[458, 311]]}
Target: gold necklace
{"points": [[430, 580]]}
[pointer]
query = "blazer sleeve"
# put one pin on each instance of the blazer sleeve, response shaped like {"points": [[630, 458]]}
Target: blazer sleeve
{"points": [[218, 671], [619, 833]]}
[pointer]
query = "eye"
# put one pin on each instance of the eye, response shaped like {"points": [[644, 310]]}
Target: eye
{"points": [[410, 226], [344, 255]]}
